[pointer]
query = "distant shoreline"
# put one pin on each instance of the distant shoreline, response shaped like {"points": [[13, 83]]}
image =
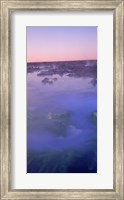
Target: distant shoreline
{"points": [[45, 62]]}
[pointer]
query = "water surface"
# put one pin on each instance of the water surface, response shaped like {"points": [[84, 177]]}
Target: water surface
{"points": [[61, 117]]}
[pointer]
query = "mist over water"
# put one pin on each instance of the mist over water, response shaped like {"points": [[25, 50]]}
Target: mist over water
{"points": [[62, 117]]}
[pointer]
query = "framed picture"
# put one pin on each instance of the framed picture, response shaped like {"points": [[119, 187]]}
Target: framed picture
{"points": [[62, 99]]}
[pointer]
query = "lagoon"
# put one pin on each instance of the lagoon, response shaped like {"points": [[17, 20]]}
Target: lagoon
{"points": [[61, 117]]}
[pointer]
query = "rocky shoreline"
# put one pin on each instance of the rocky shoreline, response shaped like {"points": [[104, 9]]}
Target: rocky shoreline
{"points": [[69, 68]]}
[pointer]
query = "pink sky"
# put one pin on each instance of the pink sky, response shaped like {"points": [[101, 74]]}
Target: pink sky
{"points": [[61, 43]]}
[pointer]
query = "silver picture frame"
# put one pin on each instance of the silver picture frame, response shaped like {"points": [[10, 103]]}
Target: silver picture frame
{"points": [[7, 8]]}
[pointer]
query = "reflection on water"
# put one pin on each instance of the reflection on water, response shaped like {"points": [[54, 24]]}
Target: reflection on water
{"points": [[62, 117]]}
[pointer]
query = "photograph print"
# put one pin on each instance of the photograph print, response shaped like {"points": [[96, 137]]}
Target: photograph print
{"points": [[61, 99]]}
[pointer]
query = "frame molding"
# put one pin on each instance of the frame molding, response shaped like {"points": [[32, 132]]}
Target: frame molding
{"points": [[9, 6]]}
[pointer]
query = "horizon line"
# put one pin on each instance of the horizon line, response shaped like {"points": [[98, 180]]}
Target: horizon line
{"points": [[62, 61]]}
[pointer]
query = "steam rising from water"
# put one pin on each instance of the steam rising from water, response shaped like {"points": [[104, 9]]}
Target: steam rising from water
{"points": [[61, 119]]}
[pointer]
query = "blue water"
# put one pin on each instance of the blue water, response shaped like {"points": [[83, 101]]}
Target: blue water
{"points": [[61, 120]]}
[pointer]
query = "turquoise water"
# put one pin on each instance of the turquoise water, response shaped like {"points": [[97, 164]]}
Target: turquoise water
{"points": [[61, 118]]}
